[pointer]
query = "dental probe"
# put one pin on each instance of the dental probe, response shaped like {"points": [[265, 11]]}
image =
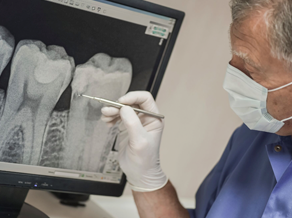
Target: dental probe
{"points": [[119, 105]]}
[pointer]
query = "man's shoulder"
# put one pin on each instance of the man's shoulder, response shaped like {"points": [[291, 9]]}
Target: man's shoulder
{"points": [[244, 132], [242, 138]]}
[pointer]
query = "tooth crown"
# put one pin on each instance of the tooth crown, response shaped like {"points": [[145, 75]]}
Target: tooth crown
{"points": [[111, 77], [109, 64], [7, 44], [45, 70], [6, 36]]}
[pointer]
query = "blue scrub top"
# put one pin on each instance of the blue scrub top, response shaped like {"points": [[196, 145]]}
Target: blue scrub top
{"points": [[253, 179]]}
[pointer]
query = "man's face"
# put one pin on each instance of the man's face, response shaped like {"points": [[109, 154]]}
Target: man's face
{"points": [[252, 55]]}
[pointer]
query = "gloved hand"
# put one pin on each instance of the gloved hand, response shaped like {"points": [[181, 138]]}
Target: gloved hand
{"points": [[139, 141]]}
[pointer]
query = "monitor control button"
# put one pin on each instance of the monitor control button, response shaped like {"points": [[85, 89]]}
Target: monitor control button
{"points": [[45, 184]]}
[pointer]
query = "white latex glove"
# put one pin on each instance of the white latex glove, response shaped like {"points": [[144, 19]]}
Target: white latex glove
{"points": [[139, 141]]}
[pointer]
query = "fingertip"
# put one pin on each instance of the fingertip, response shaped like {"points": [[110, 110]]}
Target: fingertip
{"points": [[121, 99], [125, 98], [104, 109], [110, 111]]}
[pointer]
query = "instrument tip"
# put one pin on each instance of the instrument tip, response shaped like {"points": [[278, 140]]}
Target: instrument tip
{"points": [[85, 96]]}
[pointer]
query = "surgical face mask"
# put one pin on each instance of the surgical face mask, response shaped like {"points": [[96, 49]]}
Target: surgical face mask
{"points": [[248, 99]]}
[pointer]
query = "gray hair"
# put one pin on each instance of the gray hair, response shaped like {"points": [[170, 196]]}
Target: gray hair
{"points": [[278, 18]]}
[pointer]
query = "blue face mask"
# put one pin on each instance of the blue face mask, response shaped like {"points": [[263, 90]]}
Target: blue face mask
{"points": [[248, 99]]}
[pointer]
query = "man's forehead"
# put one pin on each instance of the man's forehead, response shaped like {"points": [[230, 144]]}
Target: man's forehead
{"points": [[244, 46], [246, 58], [248, 40]]}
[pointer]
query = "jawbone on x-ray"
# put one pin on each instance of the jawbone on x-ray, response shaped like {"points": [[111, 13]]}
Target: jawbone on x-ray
{"points": [[54, 140], [104, 77], [38, 77]]}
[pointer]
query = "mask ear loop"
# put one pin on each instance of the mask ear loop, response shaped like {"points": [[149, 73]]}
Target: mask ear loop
{"points": [[272, 90], [290, 118]]}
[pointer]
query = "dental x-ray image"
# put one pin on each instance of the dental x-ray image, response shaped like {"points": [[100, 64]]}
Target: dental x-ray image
{"points": [[48, 55]]}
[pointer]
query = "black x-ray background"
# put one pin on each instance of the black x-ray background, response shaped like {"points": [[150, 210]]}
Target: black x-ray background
{"points": [[82, 34]]}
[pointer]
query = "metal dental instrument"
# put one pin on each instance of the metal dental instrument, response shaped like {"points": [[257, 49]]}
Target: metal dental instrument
{"points": [[119, 105]]}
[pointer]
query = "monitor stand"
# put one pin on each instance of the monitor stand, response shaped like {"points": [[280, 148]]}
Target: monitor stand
{"points": [[12, 204], [72, 200], [28, 211]]}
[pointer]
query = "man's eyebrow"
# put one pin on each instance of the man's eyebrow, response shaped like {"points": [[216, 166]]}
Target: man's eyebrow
{"points": [[245, 57]]}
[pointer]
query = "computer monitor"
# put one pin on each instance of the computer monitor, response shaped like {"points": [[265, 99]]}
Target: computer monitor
{"points": [[53, 50]]}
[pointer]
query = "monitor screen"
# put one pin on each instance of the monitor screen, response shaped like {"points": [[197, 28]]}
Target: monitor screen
{"points": [[53, 50]]}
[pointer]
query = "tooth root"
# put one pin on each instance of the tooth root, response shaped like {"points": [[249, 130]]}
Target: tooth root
{"points": [[39, 75], [111, 137], [101, 76], [6, 47], [54, 140], [2, 100]]}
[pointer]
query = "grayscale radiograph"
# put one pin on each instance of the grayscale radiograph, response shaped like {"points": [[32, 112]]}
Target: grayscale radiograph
{"points": [[102, 76], [32, 132]]}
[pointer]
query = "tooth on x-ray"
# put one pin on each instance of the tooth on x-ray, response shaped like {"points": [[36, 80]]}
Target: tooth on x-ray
{"points": [[112, 135], [2, 96], [39, 75], [101, 76], [6, 47]]}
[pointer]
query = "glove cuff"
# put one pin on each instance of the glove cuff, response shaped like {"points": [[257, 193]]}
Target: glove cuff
{"points": [[138, 189]]}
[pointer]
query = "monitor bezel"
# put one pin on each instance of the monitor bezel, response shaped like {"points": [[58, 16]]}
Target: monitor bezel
{"points": [[167, 12], [69, 185]]}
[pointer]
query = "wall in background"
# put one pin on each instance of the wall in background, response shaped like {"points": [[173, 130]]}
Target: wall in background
{"points": [[199, 120]]}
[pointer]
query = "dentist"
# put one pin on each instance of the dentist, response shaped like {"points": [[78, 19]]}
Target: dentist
{"points": [[253, 178]]}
